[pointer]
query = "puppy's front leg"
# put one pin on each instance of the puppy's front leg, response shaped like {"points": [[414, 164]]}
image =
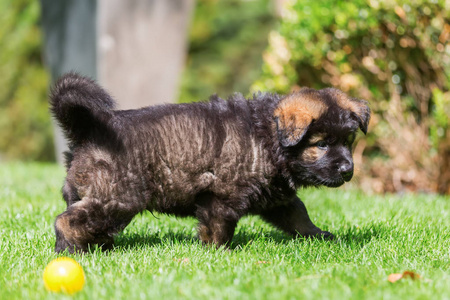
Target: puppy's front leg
{"points": [[293, 219]]}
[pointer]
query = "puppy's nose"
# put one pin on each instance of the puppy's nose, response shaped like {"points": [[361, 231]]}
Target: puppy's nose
{"points": [[346, 171]]}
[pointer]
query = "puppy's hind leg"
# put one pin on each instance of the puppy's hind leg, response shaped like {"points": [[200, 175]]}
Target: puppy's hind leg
{"points": [[88, 222], [217, 222], [294, 219]]}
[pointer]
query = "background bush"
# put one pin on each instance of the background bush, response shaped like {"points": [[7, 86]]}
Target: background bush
{"points": [[227, 38], [396, 55], [25, 125]]}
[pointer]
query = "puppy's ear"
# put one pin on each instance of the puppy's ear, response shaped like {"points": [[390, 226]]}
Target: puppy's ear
{"points": [[295, 113], [360, 108], [362, 111]]}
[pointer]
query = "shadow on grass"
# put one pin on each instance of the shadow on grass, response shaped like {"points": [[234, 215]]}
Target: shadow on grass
{"points": [[362, 235], [245, 238], [353, 235], [240, 240], [346, 236], [138, 240]]}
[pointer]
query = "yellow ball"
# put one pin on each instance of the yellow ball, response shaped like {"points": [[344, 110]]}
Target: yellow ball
{"points": [[64, 275]]}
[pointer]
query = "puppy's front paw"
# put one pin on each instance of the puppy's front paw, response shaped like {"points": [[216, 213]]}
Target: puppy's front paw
{"points": [[325, 235]]}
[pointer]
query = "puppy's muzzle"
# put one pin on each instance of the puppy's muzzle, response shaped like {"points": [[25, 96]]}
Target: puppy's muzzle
{"points": [[346, 171]]}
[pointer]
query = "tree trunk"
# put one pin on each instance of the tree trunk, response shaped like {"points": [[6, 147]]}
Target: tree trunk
{"points": [[142, 48], [69, 44]]}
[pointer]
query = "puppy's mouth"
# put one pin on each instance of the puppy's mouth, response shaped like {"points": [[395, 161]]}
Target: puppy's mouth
{"points": [[328, 183], [343, 178], [334, 183]]}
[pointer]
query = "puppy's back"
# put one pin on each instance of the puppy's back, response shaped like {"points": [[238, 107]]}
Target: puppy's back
{"points": [[188, 148]]}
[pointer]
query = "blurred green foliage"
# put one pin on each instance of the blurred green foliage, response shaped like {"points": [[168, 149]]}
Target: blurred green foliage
{"points": [[25, 126], [441, 113], [393, 53], [227, 38]]}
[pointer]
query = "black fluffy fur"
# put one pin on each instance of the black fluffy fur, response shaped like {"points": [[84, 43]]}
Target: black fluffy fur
{"points": [[217, 160]]}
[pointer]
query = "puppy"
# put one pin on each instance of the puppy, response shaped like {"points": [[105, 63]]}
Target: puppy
{"points": [[216, 161]]}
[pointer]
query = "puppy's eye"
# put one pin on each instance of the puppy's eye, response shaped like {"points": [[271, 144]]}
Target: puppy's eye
{"points": [[322, 144]]}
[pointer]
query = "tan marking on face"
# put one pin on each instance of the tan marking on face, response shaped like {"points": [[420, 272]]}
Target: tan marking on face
{"points": [[312, 154], [297, 111], [315, 138]]}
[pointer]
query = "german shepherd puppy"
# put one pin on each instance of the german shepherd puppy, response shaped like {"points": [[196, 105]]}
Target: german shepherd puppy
{"points": [[216, 161]]}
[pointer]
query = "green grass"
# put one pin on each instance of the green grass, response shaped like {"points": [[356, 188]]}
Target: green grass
{"points": [[160, 258]]}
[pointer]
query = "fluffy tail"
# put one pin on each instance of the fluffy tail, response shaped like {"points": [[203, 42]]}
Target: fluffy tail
{"points": [[81, 107]]}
